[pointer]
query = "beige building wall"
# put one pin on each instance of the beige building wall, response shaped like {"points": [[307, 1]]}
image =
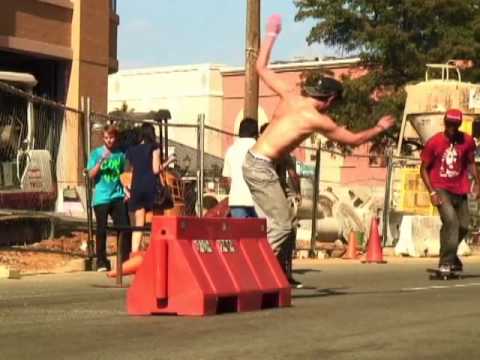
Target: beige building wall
{"points": [[37, 26], [186, 91]]}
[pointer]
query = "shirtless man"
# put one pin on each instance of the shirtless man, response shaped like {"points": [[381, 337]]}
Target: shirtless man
{"points": [[295, 118]]}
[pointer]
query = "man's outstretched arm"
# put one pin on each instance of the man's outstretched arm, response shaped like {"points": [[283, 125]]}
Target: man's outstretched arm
{"points": [[339, 134], [268, 76]]}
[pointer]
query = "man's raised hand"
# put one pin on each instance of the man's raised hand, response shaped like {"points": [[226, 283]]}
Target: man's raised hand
{"points": [[386, 122], [274, 25]]}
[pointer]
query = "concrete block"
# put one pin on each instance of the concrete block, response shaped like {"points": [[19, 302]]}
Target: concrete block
{"points": [[7, 272], [75, 265], [420, 236]]}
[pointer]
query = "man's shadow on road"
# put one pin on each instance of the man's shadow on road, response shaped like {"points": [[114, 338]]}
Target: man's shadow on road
{"points": [[321, 292], [345, 290], [470, 276], [304, 271]]}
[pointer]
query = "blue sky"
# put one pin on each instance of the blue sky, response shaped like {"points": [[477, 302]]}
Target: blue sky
{"points": [[170, 32]]}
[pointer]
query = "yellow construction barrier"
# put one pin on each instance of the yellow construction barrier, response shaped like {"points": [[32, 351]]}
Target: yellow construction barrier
{"points": [[414, 196]]}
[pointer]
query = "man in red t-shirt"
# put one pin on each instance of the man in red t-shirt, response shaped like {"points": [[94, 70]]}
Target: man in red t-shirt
{"points": [[447, 159]]}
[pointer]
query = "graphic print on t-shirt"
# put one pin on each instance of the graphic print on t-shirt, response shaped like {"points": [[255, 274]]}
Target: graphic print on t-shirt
{"points": [[450, 166], [111, 170]]}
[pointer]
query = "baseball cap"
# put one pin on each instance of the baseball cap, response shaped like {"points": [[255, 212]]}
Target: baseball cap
{"points": [[324, 87], [454, 116]]}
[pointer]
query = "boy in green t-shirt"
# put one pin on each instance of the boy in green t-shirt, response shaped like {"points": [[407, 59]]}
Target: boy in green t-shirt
{"points": [[105, 165]]}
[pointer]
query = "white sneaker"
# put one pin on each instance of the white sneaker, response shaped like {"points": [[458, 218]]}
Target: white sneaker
{"points": [[295, 284], [445, 269], [102, 269]]}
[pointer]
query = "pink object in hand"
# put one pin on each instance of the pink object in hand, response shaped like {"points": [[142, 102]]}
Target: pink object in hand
{"points": [[274, 24], [106, 154]]}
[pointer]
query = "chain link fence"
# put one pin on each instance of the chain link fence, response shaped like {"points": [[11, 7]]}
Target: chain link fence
{"points": [[35, 136], [34, 140]]}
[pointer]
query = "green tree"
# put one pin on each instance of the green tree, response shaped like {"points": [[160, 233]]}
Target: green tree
{"points": [[395, 39]]}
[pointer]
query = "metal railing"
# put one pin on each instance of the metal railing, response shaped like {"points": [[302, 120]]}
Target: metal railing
{"points": [[29, 123]]}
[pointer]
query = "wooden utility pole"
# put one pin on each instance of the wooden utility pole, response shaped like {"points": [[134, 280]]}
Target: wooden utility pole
{"points": [[251, 52]]}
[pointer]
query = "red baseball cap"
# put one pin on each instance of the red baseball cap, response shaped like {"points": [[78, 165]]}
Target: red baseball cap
{"points": [[454, 116]]}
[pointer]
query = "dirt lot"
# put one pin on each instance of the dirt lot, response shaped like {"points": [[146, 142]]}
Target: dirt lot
{"points": [[49, 255], [67, 253]]}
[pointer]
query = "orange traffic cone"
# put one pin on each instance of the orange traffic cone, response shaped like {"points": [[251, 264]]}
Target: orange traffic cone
{"points": [[374, 247], [352, 247], [130, 266]]}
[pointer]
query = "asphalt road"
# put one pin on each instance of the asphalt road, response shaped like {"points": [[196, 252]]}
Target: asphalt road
{"points": [[350, 311]]}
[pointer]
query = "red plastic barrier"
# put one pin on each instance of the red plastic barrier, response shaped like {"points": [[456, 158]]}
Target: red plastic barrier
{"points": [[199, 266], [220, 210]]}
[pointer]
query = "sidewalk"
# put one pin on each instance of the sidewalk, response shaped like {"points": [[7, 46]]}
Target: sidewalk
{"points": [[35, 262]]}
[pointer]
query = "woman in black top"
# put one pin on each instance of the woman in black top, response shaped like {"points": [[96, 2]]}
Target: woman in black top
{"points": [[144, 159]]}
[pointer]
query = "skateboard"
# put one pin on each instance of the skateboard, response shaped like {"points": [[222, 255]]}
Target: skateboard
{"points": [[436, 274]]}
